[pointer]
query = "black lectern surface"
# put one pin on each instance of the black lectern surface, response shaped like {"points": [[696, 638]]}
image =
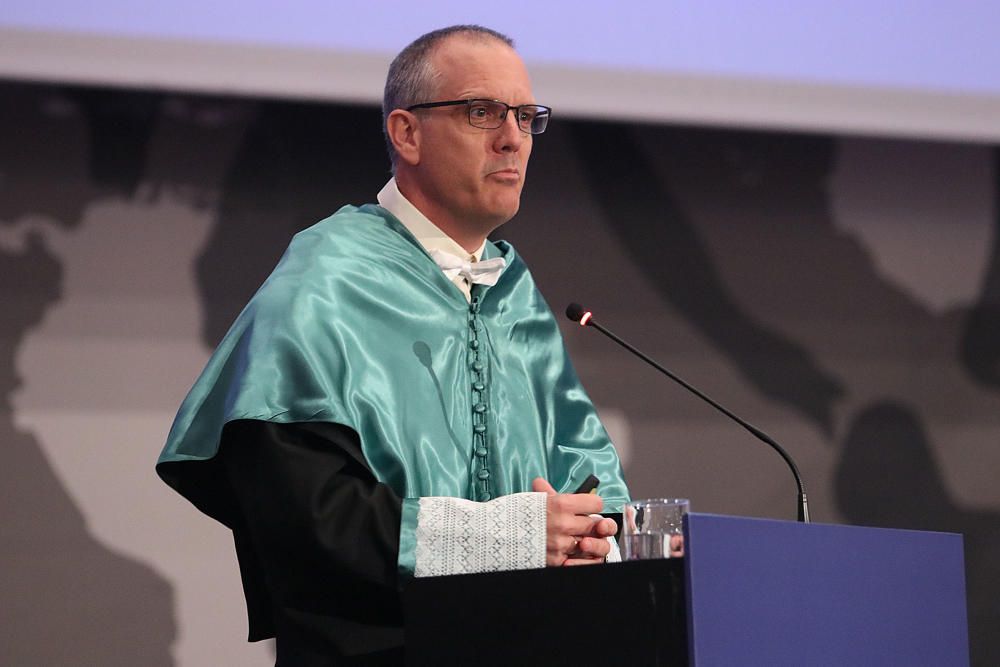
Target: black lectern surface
{"points": [[627, 614]]}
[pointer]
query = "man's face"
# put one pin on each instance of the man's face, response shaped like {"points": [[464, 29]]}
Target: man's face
{"points": [[471, 175]]}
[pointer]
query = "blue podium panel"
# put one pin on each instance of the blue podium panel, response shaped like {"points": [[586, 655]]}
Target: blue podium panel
{"points": [[764, 592]]}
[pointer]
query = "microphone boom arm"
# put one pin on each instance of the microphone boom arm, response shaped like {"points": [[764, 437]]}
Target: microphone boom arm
{"points": [[584, 318]]}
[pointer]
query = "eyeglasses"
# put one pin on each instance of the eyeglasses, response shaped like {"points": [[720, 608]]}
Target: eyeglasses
{"points": [[491, 114]]}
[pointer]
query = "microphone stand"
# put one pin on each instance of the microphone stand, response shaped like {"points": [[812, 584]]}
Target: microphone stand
{"points": [[584, 318]]}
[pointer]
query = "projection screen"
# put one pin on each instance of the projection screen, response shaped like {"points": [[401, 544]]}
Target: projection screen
{"points": [[894, 68]]}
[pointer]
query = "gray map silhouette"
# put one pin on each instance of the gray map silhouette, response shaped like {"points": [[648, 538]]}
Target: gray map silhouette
{"points": [[733, 230]]}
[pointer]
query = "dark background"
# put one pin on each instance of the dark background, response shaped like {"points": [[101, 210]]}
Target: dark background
{"points": [[842, 293]]}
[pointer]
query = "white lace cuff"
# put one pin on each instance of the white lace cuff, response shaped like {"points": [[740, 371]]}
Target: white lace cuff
{"points": [[458, 536]]}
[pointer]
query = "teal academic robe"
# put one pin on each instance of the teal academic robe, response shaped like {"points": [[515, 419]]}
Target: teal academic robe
{"points": [[357, 327]]}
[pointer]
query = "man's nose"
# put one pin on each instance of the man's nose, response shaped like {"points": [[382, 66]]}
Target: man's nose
{"points": [[509, 136]]}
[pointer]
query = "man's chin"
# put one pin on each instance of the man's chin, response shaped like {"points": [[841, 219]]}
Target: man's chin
{"points": [[505, 213]]}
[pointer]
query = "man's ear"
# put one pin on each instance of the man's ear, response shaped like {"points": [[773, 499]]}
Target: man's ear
{"points": [[403, 129]]}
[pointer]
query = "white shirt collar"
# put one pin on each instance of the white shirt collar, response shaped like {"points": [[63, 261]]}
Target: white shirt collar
{"points": [[425, 231]]}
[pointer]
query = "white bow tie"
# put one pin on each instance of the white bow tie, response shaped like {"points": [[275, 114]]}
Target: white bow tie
{"points": [[485, 272]]}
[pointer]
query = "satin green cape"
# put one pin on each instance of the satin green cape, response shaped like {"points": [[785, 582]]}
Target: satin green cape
{"points": [[358, 326]]}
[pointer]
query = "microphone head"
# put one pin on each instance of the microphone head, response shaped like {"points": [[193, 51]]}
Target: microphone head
{"points": [[578, 314], [575, 312]]}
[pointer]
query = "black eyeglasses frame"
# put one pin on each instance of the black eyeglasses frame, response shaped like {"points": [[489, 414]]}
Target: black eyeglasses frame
{"points": [[541, 109]]}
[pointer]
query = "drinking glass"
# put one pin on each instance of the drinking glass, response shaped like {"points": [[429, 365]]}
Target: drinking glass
{"points": [[652, 528]]}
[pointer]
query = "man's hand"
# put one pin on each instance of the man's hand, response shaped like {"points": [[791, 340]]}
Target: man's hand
{"points": [[572, 536]]}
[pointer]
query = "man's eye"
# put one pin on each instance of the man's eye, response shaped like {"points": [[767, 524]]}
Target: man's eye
{"points": [[479, 112], [526, 116]]}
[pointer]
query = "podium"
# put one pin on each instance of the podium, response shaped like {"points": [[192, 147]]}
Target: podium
{"points": [[747, 592]]}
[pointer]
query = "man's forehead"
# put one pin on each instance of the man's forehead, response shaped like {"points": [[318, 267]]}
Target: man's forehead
{"points": [[465, 63]]}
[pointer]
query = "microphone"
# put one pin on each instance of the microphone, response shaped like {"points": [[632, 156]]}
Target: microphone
{"points": [[585, 318]]}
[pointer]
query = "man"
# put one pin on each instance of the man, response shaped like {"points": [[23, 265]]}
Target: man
{"points": [[395, 401]]}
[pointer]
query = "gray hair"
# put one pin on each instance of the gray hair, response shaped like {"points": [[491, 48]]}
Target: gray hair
{"points": [[412, 78]]}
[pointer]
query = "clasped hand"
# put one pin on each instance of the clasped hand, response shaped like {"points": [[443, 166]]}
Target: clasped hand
{"points": [[573, 537]]}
